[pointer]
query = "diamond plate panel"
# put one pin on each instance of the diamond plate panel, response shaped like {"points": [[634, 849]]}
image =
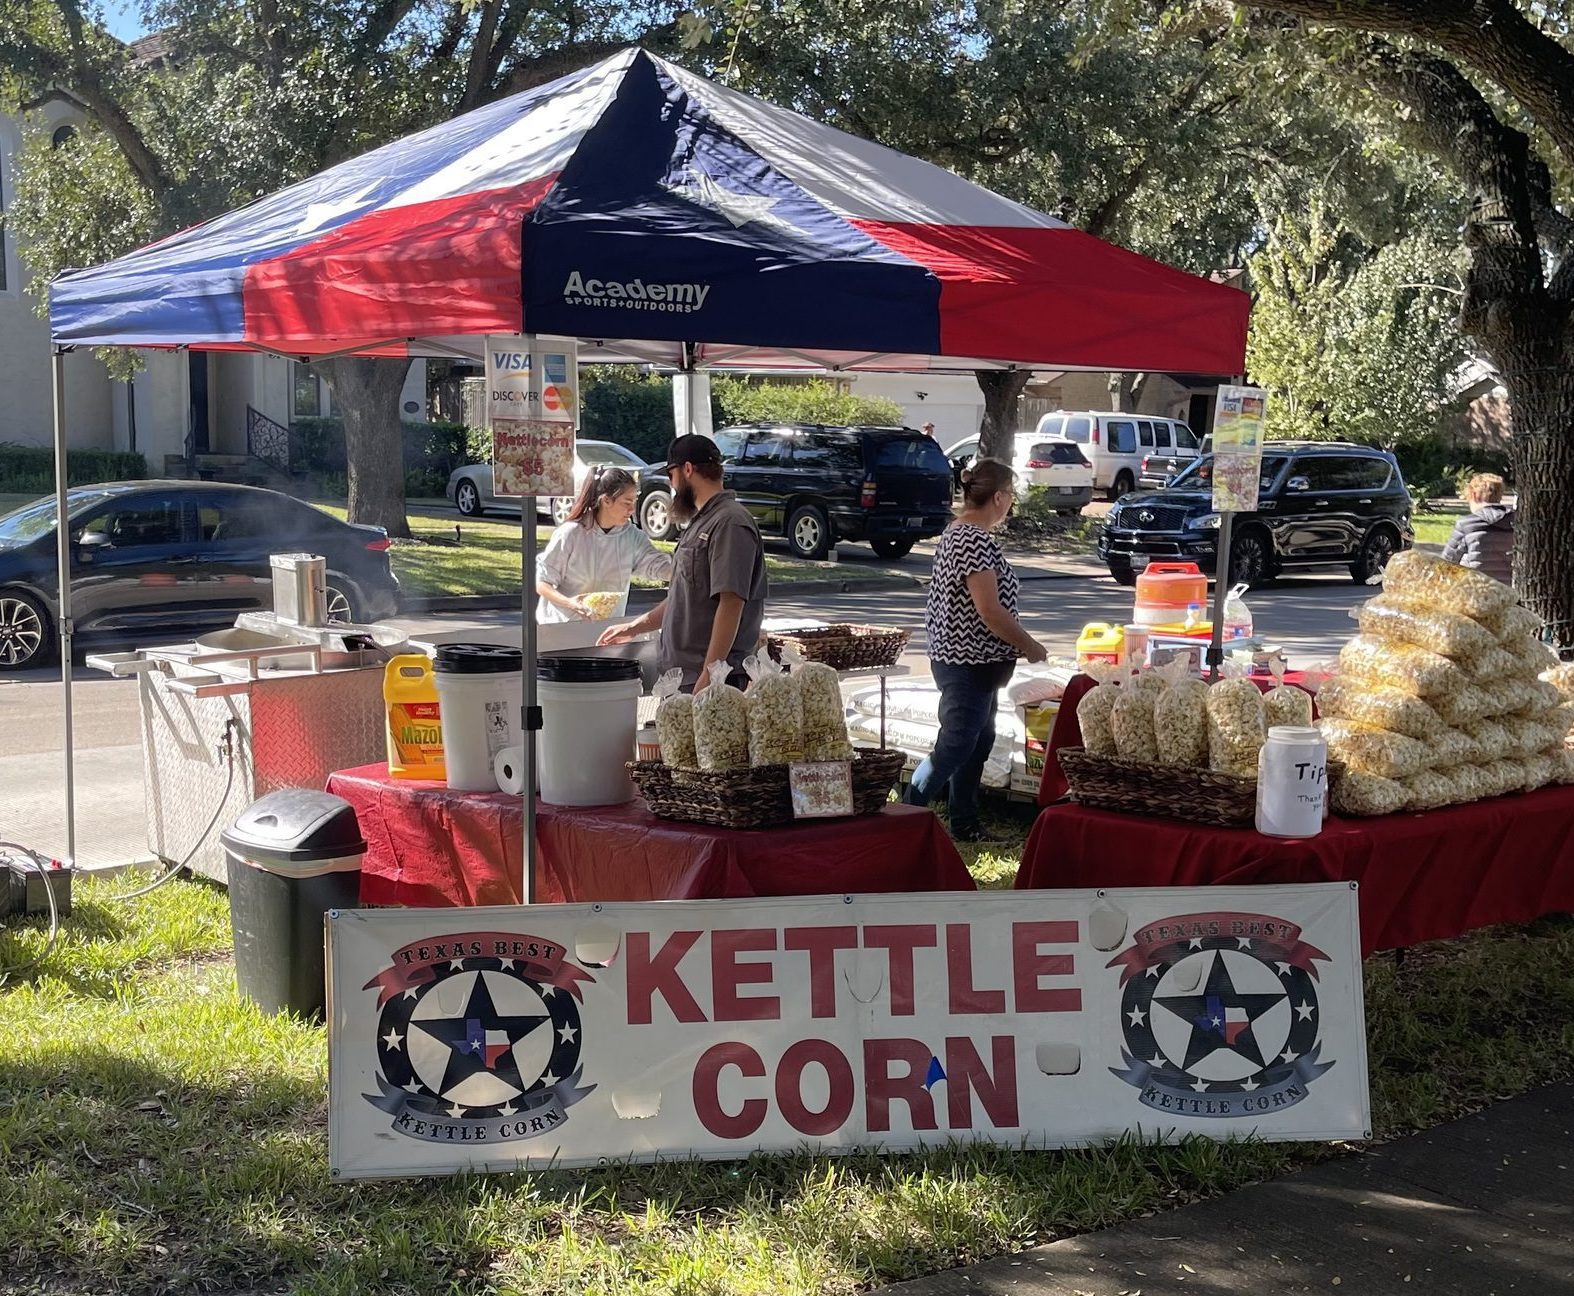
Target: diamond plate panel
{"points": [[290, 732]]}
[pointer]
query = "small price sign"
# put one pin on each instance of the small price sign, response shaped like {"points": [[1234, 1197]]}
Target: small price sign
{"points": [[821, 789]]}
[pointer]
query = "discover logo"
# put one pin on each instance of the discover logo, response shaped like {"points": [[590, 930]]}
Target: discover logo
{"points": [[634, 294]]}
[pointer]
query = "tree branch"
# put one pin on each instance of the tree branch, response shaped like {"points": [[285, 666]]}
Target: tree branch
{"points": [[1453, 119], [1492, 36], [81, 75]]}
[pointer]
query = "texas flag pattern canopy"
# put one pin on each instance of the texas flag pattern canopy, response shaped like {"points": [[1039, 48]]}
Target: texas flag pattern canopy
{"points": [[660, 218]]}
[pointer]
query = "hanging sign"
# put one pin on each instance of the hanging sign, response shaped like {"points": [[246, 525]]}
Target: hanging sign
{"points": [[1238, 429], [532, 400], [562, 1035]]}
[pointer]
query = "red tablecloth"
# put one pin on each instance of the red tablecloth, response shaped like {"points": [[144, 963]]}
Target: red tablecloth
{"points": [[1422, 876], [1065, 733], [429, 846]]}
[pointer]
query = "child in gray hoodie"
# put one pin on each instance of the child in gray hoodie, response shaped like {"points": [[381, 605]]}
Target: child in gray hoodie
{"points": [[1485, 539]]}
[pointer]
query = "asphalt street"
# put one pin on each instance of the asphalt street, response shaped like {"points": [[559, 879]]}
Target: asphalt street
{"points": [[1308, 615]]}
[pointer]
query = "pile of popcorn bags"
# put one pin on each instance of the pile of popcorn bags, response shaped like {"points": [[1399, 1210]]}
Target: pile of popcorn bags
{"points": [[1445, 696]]}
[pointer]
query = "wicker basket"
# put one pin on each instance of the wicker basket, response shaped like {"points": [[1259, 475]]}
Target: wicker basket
{"points": [[843, 647], [754, 798], [1173, 791]]}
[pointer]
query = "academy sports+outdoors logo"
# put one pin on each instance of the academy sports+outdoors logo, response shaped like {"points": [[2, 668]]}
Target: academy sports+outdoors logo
{"points": [[634, 294]]}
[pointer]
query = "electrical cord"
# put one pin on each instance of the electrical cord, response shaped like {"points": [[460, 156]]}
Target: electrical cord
{"points": [[228, 747], [7, 848]]}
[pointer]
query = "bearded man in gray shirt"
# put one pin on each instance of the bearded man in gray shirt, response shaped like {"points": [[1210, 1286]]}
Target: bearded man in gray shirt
{"points": [[716, 602]]}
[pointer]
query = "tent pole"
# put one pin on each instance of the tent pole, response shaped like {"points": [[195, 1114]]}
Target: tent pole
{"points": [[63, 571], [1221, 581], [532, 709]]}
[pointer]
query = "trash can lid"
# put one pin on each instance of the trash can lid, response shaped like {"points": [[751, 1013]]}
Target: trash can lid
{"points": [[476, 659], [586, 670], [294, 827]]}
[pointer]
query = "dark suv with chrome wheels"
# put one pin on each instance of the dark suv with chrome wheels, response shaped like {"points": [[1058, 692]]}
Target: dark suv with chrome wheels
{"points": [[817, 485], [1320, 504]]}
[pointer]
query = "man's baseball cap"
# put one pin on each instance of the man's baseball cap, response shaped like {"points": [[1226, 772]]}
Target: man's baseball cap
{"points": [[693, 449]]}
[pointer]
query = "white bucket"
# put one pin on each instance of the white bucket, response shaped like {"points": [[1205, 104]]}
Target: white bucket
{"points": [[589, 714], [480, 692]]}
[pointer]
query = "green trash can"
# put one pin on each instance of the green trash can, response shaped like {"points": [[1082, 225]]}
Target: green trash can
{"points": [[292, 856]]}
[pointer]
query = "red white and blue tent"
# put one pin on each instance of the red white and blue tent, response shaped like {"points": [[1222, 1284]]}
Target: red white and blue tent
{"points": [[660, 218]]}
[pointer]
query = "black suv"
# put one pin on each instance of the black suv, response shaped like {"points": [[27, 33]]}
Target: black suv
{"points": [[816, 485], [1321, 504]]}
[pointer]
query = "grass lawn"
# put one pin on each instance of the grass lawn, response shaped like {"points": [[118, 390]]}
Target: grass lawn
{"points": [[1434, 528], [486, 561], [157, 1134]]}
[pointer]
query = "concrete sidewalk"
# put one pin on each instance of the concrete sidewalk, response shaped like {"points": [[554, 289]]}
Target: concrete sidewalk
{"points": [[1480, 1207]]}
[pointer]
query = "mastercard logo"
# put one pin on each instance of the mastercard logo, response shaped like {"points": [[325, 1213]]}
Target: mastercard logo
{"points": [[557, 398]]}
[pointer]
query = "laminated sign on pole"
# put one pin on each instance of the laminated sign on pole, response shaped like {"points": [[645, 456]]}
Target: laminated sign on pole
{"points": [[1238, 424], [532, 403]]}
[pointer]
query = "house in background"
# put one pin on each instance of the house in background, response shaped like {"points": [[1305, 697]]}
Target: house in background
{"points": [[228, 411]]}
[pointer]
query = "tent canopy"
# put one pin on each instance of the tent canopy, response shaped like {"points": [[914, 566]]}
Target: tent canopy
{"points": [[664, 219]]}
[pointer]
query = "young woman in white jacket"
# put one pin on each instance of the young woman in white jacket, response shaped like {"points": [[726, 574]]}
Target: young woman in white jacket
{"points": [[598, 550]]}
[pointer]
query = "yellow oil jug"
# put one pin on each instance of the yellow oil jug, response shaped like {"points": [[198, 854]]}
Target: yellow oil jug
{"points": [[1100, 641], [415, 727]]}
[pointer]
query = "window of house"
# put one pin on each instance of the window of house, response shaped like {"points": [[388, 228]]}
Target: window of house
{"points": [[307, 399], [63, 135]]}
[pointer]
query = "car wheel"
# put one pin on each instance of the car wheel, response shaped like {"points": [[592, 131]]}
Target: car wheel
{"points": [[1378, 547], [467, 499], [1125, 483], [343, 601], [1123, 572], [1251, 558], [809, 532], [655, 516], [25, 638], [892, 548]]}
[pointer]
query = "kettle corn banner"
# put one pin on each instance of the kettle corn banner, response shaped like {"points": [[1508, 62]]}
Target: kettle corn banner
{"points": [[568, 1035]]}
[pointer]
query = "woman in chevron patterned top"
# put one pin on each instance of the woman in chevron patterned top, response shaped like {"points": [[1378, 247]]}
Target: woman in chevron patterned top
{"points": [[974, 642]]}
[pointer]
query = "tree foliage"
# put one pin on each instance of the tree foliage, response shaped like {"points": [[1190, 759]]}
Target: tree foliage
{"points": [[1354, 343], [818, 400]]}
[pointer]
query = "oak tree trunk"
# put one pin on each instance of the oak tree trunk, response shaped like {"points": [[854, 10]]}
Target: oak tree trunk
{"points": [[1536, 359], [366, 396], [1002, 390]]}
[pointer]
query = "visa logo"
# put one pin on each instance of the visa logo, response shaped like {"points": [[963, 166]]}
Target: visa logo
{"points": [[510, 360]]}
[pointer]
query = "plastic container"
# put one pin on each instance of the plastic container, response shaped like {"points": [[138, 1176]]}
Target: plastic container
{"points": [[1135, 644], [482, 693], [1166, 589], [1100, 641], [1237, 616], [291, 857], [589, 716], [414, 718], [1292, 782], [647, 743]]}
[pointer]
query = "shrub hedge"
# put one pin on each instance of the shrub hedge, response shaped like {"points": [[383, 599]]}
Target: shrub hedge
{"points": [[32, 468]]}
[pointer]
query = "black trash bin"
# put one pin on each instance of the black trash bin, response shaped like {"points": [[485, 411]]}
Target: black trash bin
{"points": [[292, 856]]}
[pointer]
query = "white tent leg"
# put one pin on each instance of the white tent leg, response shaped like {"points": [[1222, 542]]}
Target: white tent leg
{"points": [[63, 619]]}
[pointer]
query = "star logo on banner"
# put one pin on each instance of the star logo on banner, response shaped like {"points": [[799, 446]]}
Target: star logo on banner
{"points": [[1221, 1017], [320, 214], [478, 1038], [1219, 1025]]}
